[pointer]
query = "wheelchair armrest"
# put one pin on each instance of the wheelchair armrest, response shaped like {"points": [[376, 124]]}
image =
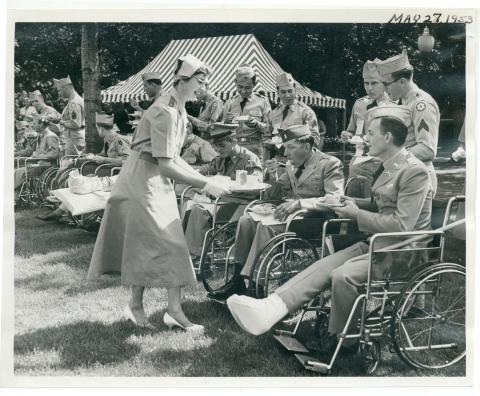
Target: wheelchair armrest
{"points": [[258, 201], [448, 211], [183, 194], [295, 216], [18, 159]]}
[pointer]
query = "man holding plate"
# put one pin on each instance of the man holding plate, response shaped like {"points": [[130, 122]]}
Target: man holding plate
{"points": [[309, 173], [250, 110], [231, 157], [401, 201]]}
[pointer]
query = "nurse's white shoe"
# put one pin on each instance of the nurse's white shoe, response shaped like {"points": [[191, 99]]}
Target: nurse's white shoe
{"points": [[172, 322], [257, 316]]}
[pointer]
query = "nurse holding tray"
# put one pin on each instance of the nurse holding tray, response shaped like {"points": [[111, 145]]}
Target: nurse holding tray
{"points": [[141, 234]]}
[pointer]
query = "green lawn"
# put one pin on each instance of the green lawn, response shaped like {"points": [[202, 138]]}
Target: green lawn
{"points": [[65, 325]]}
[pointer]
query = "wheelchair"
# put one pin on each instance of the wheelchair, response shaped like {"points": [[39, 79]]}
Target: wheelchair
{"points": [[419, 313], [31, 192], [290, 252], [216, 241]]}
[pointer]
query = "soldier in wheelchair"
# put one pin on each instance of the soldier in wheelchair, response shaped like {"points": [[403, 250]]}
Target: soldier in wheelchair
{"points": [[309, 173], [116, 149], [31, 166], [230, 158], [401, 201]]}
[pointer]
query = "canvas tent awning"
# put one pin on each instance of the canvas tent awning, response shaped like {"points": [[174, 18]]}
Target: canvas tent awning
{"points": [[223, 55]]}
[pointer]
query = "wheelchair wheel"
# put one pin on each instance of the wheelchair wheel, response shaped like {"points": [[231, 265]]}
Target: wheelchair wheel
{"points": [[45, 182], [89, 221], [370, 354], [215, 267], [429, 332], [281, 260], [62, 180]]}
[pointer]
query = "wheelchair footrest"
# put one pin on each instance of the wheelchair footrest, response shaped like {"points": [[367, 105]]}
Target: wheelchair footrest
{"points": [[310, 363], [290, 343]]}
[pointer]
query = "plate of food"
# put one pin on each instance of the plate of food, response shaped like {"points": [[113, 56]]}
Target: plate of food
{"points": [[263, 209], [250, 187], [331, 201], [241, 118]]}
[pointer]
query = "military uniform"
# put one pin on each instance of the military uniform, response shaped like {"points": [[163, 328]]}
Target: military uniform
{"points": [[116, 149], [74, 117], [48, 146], [199, 217], [210, 112], [422, 138], [298, 113], [198, 151], [323, 174], [257, 107], [366, 165], [403, 199]]}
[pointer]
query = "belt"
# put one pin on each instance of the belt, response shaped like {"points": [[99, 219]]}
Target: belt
{"points": [[144, 156]]}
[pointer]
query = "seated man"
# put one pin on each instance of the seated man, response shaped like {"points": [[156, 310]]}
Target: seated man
{"points": [[197, 151], [47, 151], [115, 152], [231, 157], [26, 140], [402, 195], [309, 173]]}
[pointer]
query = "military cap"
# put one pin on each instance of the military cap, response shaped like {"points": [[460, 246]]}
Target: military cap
{"points": [[35, 94], [284, 80], [370, 70], [62, 81], [294, 132], [21, 124], [104, 119], [244, 73], [218, 131], [402, 113], [395, 63], [151, 76], [190, 64]]}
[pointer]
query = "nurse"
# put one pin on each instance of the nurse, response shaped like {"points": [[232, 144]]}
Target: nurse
{"points": [[141, 233]]}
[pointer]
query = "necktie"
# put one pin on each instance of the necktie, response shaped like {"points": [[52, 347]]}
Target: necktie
{"points": [[226, 163], [299, 171], [371, 105], [400, 101], [105, 147], [285, 113], [377, 173], [243, 103]]}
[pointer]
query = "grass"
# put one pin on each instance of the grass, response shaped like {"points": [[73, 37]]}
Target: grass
{"points": [[66, 326]]}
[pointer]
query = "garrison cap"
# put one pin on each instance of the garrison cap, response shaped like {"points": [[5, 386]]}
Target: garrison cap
{"points": [[402, 113], [218, 131], [284, 80], [62, 81], [104, 119], [151, 76], [35, 94], [370, 70], [294, 132], [244, 73], [190, 65], [393, 64]]}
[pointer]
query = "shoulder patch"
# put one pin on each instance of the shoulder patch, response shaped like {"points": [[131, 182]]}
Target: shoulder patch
{"points": [[420, 106]]}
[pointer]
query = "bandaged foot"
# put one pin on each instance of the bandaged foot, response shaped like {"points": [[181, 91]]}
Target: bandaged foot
{"points": [[257, 316]]}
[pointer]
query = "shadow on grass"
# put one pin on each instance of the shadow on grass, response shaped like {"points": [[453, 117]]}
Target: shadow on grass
{"points": [[82, 344]]}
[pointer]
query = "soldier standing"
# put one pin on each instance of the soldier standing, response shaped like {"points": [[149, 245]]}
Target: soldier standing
{"points": [[422, 139], [210, 111], [251, 132]]}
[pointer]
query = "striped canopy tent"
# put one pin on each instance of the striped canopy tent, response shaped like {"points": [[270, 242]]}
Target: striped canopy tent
{"points": [[223, 55]]}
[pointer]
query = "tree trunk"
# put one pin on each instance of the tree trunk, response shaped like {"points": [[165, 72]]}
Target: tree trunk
{"points": [[91, 89]]}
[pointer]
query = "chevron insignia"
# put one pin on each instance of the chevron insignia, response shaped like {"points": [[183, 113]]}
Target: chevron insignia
{"points": [[423, 125]]}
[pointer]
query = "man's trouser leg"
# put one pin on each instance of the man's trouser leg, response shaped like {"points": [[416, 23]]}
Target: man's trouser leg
{"points": [[244, 237], [263, 235], [197, 226], [346, 281], [19, 177], [316, 278]]}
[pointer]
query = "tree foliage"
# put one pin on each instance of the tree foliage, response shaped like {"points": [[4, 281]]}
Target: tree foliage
{"points": [[324, 57]]}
